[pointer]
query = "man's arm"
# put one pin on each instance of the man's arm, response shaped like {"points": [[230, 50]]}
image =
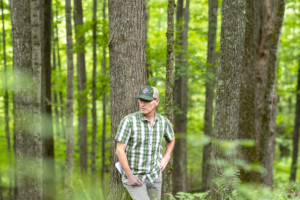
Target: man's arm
{"points": [[166, 158], [120, 151]]}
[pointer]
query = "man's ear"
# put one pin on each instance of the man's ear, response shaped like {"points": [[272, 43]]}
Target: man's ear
{"points": [[157, 102]]}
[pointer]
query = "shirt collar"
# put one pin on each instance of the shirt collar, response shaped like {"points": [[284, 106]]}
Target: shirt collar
{"points": [[142, 117]]}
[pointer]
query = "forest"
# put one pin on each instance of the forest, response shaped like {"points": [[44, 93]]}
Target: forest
{"points": [[228, 74]]}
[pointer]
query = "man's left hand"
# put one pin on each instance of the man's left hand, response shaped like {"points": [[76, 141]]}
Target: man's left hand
{"points": [[164, 162]]}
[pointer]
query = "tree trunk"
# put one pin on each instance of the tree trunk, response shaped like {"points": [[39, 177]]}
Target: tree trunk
{"points": [[247, 109], [296, 131], [27, 22], [180, 101], [60, 94], [6, 96], [127, 48], [94, 88], [268, 119], [103, 63], [69, 105], [81, 83], [55, 99], [234, 105], [167, 175], [209, 88], [47, 128], [6, 103]]}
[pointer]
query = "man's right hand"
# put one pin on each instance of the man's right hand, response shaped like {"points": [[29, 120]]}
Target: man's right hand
{"points": [[134, 180]]}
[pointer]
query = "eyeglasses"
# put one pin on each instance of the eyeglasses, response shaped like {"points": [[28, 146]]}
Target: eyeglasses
{"points": [[145, 101]]}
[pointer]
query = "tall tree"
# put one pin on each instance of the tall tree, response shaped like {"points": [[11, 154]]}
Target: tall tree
{"points": [[94, 87], [167, 175], [47, 128], [81, 83], [296, 131], [209, 89], [69, 105], [180, 99], [27, 28], [60, 96], [234, 104], [268, 118], [6, 96], [246, 123], [104, 96], [127, 50], [55, 98]]}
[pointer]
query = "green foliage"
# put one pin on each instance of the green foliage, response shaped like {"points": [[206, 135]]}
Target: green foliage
{"points": [[189, 196], [84, 188]]}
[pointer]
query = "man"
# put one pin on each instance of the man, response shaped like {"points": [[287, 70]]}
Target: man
{"points": [[139, 147]]}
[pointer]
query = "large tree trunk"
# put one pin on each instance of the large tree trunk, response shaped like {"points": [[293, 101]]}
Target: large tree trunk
{"points": [[268, 118], [127, 47], [94, 88], [104, 97], [27, 22], [81, 83], [247, 109], [296, 131], [69, 105], [180, 101], [235, 110], [209, 90], [167, 175], [47, 128]]}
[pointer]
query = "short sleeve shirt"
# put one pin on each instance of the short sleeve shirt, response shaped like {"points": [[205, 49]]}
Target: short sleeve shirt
{"points": [[144, 143]]}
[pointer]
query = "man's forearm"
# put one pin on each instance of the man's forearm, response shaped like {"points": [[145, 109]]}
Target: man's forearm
{"points": [[124, 162], [169, 147]]}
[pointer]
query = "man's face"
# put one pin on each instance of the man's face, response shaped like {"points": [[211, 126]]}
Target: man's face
{"points": [[148, 106]]}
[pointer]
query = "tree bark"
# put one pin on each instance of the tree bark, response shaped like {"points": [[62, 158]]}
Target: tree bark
{"points": [[94, 88], [81, 83], [268, 119], [296, 131], [247, 109], [209, 88], [235, 110], [180, 100], [27, 22], [69, 105], [167, 175], [127, 48], [47, 127]]}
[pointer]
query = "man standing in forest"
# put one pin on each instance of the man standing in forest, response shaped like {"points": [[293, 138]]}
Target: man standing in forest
{"points": [[139, 147]]}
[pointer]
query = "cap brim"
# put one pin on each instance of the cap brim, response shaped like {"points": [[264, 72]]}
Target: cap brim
{"points": [[144, 97]]}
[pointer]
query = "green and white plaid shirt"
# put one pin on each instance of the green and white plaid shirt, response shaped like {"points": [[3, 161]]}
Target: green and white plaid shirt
{"points": [[144, 143]]}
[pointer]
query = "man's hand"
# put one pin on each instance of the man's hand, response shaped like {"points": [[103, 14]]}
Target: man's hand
{"points": [[134, 180], [164, 162]]}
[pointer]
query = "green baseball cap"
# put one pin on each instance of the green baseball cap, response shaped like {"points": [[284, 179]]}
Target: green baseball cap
{"points": [[148, 93]]}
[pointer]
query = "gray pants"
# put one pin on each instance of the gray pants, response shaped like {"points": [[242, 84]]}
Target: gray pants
{"points": [[147, 191]]}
